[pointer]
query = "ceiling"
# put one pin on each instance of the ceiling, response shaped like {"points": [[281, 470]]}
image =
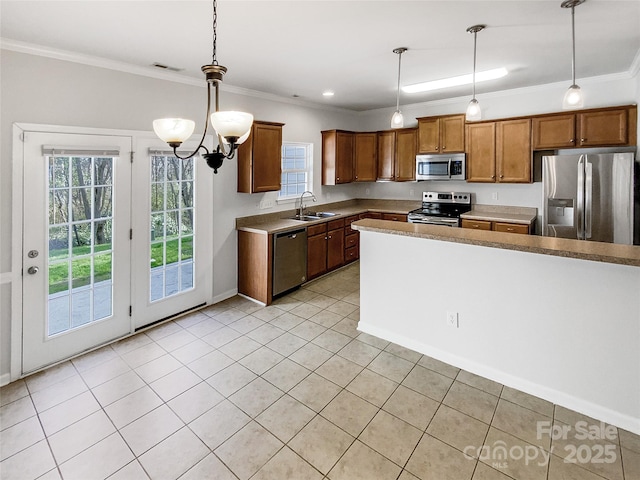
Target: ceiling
{"points": [[302, 48]]}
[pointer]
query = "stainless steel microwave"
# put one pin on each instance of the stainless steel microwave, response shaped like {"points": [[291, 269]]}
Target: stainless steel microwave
{"points": [[441, 167]]}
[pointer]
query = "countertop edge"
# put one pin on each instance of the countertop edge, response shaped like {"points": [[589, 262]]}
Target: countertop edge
{"points": [[628, 255]]}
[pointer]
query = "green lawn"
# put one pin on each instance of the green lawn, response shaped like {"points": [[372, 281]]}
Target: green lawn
{"points": [[81, 267]]}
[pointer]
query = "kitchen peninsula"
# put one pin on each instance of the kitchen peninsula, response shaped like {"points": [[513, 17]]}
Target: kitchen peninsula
{"points": [[556, 318]]}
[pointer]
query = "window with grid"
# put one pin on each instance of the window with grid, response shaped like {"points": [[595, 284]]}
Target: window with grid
{"points": [[297, 167]]}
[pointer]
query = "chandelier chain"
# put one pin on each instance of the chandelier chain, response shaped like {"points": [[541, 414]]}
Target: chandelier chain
{"points": [[214, 60]]}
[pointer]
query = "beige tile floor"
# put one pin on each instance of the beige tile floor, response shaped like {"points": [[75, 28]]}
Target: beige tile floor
{"points": [[290, 391]]}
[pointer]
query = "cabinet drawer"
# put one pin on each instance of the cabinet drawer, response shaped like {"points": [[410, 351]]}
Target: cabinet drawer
{"points": [[394, 217], [347, 223], [316, 229], [335, 224], [476, 224], [511, 228], [351, 254], [352, 240], [374, 215]]}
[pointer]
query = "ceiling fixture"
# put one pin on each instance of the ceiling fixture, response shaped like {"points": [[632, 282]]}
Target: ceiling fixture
{"points": [[397, 120], [573, 98], [232, 128], [455, 81], [328, 93], [473, 109]]}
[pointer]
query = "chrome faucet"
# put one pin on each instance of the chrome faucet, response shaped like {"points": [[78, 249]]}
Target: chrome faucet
{"points": [[302, 204]]}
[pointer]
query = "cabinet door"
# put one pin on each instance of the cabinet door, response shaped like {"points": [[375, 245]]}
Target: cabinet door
{"points": [[335, 248], [405, 165], [608, 127], [452, 134], [394, 217], [267, 157], [476, 224], [386, 155], [429, 135], [554, 131], [513, 151], [366, 146], [481, 152], [344, 161], [316, 255]]}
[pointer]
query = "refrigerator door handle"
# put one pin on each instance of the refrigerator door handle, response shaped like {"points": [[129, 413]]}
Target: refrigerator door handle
{"points": [[580, 202], [588, 198]]}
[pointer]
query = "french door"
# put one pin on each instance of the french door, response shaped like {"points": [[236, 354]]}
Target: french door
{"points": [[109, 244], [76, 253]]}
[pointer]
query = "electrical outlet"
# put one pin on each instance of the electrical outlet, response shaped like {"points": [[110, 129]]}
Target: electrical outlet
{"points": [[494, 195], [452, 319], [367, 191], [267, 203], [412, 192]]}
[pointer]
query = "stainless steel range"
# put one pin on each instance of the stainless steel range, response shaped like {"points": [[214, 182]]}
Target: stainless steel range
{"points": [[441, 208]]}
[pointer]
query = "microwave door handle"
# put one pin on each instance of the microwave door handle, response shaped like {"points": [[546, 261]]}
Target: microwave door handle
{"points": [[449, 168]]}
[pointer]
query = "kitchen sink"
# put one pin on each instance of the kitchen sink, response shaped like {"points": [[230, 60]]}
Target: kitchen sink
{"points": [[305, 218], [322, 214]]}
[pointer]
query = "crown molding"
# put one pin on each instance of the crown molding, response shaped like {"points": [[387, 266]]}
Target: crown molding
{"points": [[93, 61]]}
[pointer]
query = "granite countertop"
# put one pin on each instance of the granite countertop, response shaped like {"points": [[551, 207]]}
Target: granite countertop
{"points": [[501, 213], [278, 222], [561, 247]]}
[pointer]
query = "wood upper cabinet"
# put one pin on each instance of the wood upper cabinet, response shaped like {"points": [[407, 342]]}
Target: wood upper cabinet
{"points": [[260, 159], [499, 151], [588, 128], [441, 134], [337, 157], [405, 155], [386, 155], [513, 151], [481, 152], [365, 157]]}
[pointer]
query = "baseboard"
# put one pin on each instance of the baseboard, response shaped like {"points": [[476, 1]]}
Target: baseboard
{"points": [[225, 295], [5, 379], [563, 399]]}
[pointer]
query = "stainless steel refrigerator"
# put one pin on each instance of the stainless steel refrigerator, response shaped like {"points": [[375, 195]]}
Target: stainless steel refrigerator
{"points": [[590, 196]]}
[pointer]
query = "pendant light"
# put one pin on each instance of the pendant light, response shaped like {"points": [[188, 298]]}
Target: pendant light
{"points": [[573, 98], [473, 109], [232, 128], [397, 120]]}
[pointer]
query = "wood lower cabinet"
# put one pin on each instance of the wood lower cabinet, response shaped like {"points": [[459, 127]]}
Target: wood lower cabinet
{"points": [[587, 128], [255, 254], [498, 226], [441, 134], [260, 159], [394, 217], [351, 240], [337, 157], [365, 157], [325, 247]]}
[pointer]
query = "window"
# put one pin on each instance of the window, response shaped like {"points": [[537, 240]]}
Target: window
{"points": [[297, 168]]}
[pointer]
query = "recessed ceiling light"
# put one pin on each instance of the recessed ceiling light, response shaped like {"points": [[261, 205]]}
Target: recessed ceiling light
{"points": [[455, 81], [328, 93]]}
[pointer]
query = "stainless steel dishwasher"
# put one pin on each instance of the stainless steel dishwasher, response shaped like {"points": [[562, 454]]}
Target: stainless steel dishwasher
{"points": [[289, 260]]}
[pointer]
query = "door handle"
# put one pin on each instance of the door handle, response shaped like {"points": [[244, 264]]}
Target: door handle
{"points": [[32, 270]]}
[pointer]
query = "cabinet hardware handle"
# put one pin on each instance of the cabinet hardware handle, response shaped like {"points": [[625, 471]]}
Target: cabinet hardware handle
{"points": [[582, 140], [493, 176], [329, 237], [444, 147], [509, 229], [436, 148], [572, 141], [501, 176]]}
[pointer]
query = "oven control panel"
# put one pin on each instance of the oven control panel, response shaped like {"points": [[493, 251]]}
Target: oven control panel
{"points": [[447, 197]]}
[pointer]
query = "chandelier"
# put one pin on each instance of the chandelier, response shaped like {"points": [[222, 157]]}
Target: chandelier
{"points": [[231, 127]]}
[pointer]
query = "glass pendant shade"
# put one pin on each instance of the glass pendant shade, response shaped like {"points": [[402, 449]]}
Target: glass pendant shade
{"points": [[397, 120], [232, 124], [573, 98], [242, 139], [474, 112], [174, 130]]}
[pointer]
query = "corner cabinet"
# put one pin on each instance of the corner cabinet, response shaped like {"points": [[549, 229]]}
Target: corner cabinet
{"points": [[499, 151], [260, 159], [441, 134], [337, 157], [600, 127], [397, 155]]}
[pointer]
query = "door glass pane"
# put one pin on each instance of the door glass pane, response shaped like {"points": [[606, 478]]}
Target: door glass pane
{"points": [[172, 226], [80, 241]]}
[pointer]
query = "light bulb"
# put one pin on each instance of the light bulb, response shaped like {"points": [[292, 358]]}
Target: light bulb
{"points": [[573, 98], [474, 112], [397, 121]]}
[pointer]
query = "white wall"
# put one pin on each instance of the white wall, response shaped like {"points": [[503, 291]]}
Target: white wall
{"points": [[562, 329]]}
